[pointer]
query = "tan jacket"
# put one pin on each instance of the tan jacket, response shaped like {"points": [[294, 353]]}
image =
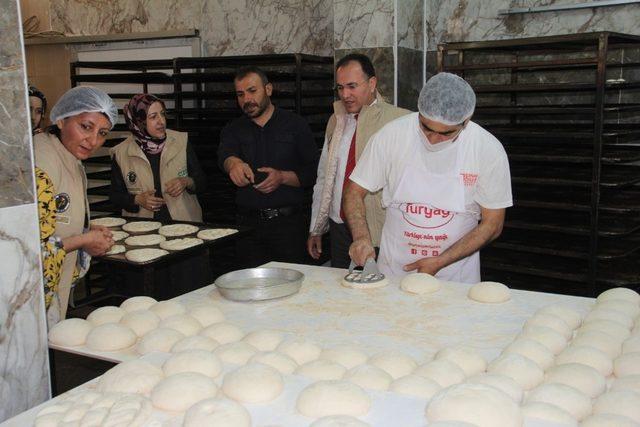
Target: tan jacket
{"points": [[370, 119], [72, 208], [138, 176]]}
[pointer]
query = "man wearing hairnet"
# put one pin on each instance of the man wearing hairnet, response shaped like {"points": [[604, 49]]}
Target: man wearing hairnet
{"points": [[445, 185]]}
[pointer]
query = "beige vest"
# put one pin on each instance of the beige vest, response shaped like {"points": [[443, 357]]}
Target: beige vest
{"points": [[137, 174], [70, 184], [370, 119]]}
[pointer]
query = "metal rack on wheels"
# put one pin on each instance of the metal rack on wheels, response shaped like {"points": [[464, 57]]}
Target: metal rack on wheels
{"points": [[567, 110]]}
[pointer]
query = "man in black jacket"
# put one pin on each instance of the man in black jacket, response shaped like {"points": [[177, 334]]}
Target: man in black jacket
{"points": [[270, 155]]}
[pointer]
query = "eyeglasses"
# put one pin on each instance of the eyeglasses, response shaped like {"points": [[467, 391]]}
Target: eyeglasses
{"points": [[350, 86], [445, 133]]}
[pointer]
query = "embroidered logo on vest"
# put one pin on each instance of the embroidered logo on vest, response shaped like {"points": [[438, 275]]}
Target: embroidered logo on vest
{"points": [[63, 201], [131, 176], [182, 173]]}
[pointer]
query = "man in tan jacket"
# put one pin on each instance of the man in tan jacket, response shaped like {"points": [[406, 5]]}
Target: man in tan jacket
{"points": [[360, 112]]}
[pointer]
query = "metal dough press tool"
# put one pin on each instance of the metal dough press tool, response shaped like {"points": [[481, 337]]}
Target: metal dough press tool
{"points": [[367, 278]]}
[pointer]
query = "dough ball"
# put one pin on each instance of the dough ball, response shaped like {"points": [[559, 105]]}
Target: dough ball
{"points": [[619, 293], [548, 412], [415, 385], [581, 377], [301, 350], [608, 420], [217, 412], [200, 361], [596, 339], [609, 327], [503, 383], [549, 338], [141, 321], [531, 349], [106, 314], [369, 376], [345, 355], [179, 392], [223, 332], [280, 362], [627, 364], [419, 283], [394, 363], [207, 314], [623, 306], [137, 303], [563, 396], [442, 371], [195, 342], [133, 376], [631, 382], [470, 360], [325, 398], [572, 317], [489, 292], [321, 369], [111, 337], [168, 308], [631, 345], [161, 339], [550, 321], [237, 353], [338, 421], [264, 339], [253, 383], [70, 332], [620, 402], [484, 406], [182, 323], [587, 356], [523, 370], [609, 314]]}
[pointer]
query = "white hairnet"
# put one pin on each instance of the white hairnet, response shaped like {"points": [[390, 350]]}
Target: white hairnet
{"points": [[84, 99], [447, 98]]}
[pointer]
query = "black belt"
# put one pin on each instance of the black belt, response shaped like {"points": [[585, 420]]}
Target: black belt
{"points": [[270, 213]]}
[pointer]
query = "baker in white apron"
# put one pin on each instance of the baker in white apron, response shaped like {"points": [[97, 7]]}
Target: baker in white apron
{"points": [[445, 185], [426, 219]]}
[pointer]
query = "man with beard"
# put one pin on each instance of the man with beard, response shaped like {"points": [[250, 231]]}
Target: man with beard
{"points": [[270, 155]]}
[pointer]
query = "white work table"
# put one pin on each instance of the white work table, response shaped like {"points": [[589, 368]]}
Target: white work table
{"points": [[376, 320]]}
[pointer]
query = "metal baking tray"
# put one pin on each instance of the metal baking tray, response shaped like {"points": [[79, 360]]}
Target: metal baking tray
{"points": [[258, 284], [120, 258]]}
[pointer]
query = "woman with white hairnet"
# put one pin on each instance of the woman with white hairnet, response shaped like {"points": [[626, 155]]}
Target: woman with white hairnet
{"points": [[81, 119], [445, 185]]}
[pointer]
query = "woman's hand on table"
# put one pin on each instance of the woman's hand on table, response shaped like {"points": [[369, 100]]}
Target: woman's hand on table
{"points": [[176, 186], [149, 201]]}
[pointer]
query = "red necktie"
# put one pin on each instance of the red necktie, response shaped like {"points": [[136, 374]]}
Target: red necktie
{"points": [[351, 163]]}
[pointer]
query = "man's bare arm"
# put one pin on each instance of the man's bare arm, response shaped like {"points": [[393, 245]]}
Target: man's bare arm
{"points": [[489, 228], [353, 204]]}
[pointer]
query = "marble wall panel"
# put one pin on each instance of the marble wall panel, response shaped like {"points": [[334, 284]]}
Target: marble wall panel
{"points": [[382, 59], [24, 373], [16, 176], [363, 23], [477, 20], [239, 27], [409, 77], [410, 24]]}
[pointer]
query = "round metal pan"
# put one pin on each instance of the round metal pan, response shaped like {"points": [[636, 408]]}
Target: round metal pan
{"points": [[258, 284]]}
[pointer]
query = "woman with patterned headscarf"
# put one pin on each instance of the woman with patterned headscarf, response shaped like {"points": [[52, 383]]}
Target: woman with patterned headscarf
{"points": [[155, 173]]}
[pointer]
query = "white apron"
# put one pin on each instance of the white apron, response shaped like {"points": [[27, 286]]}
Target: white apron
{"points": [[425, 217]]}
